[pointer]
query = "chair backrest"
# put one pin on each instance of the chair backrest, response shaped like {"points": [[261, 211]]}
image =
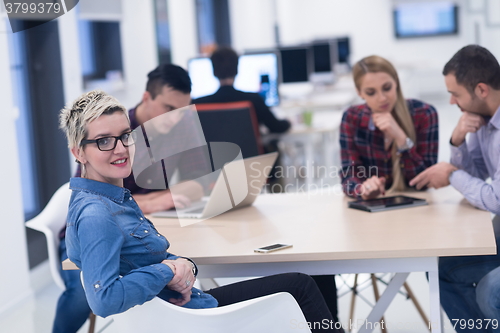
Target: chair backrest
{"points": [[50, 221], [273, 313], [234, 122]]}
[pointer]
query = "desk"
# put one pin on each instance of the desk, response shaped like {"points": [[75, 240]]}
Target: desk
{"points": [[329, 238]]}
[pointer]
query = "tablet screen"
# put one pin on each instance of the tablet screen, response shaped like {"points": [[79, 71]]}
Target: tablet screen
{"points": [[389, 201], [386, 203]]}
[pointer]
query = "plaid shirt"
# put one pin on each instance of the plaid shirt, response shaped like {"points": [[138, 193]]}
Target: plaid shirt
{"points": [[362, 146]]}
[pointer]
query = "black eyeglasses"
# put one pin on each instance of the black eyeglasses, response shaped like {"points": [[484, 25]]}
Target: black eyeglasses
{"points": [[109, 142]]}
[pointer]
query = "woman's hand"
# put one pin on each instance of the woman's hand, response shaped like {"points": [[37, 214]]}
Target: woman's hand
{"points": [[373, 187], [182, 281], [385, 122]]}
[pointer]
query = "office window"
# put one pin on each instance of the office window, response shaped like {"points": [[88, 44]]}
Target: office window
{"points": [[162, 32], [213, 24], [100, 51], [39, 95], [19, 77]]}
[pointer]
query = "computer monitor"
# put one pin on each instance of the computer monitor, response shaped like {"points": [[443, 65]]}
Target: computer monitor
{"points": [[257, 73], [295, 64], [322, 57], [343, 50], [420, 19], [202, 77]]}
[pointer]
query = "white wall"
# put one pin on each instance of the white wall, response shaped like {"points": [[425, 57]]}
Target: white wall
{"points": [[489, 37], [369, 23], [70, 62], [183, 35], [139, 49], [14, 274], [252, 24], [70, 56]]}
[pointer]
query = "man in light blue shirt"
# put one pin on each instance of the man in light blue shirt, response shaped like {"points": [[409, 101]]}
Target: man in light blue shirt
{"points": [[470, 285]]}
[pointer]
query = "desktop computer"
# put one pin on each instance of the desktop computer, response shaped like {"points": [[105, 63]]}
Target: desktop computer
{"points": [[295, 64], [343, 52], [323, 60], [257, 73], [203, 81]]}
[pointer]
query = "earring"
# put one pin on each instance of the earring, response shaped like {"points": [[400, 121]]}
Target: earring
{"points": [[77, 161]]}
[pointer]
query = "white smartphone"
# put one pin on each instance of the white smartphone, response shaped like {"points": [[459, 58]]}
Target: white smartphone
{"points": [[272, 248]]}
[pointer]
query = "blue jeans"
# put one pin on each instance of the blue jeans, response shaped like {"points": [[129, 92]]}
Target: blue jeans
{"points": [[461, 290], [72, 308], [488, 294]]}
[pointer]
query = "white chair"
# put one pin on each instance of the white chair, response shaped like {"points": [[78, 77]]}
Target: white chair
{"points": [[50, 221], [273, 313]]}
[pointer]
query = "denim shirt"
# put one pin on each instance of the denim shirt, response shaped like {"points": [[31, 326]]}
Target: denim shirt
{"points": [[107, 237]]}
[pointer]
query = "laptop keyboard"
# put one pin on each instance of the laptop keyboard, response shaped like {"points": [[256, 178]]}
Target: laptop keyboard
{"points": [[195, 211]]}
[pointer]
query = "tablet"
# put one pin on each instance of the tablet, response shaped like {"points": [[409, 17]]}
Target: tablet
{"points": [[386, 203]]}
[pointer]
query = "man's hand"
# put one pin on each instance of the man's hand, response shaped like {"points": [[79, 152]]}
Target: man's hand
{"points": [[385, 122], [182, 281], [435, 176], [468, 123], [373, 187], [177, 200]]}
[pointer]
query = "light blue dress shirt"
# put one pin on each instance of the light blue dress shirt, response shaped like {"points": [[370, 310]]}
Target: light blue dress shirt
{"points": [[478, 159]]}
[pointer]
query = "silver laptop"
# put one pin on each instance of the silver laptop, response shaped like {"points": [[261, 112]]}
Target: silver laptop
{"points": [[238, 185]]}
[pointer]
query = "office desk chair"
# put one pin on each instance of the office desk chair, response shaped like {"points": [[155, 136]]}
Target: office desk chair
{"points": [[50, 221], [273, 313], [234, 122]]}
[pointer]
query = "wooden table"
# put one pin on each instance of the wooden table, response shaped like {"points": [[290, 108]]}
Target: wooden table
{"points": [[329, 238]]}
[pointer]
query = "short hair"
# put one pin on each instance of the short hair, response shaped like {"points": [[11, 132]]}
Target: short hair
{"points": [[75, 117], [168, 75], [474, 64], [225, 63]]}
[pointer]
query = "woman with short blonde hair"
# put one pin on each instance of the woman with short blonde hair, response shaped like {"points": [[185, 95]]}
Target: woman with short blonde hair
{"points": [[124, 260]]}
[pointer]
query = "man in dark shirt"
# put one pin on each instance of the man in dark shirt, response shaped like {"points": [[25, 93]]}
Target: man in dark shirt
{"points": [[225, 65]]}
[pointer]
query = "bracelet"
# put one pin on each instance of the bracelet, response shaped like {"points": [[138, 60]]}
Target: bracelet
{"points": [[194, 268]]}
